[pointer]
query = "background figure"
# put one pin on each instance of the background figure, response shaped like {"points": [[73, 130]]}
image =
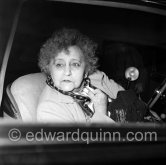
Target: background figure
{"points": [[121, 56]]}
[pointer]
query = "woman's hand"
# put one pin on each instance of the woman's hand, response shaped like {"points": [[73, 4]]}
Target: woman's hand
{"points": [[98, 98]]}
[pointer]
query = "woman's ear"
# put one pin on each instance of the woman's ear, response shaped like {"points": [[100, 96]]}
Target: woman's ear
{"points": [[47, 69], [86, 74]]}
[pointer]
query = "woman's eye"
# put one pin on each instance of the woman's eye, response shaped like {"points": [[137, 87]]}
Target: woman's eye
{"points": [[59, 65], [76, 64]]}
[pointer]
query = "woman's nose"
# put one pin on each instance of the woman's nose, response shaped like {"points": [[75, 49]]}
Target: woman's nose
{"points": [[67, 70]]}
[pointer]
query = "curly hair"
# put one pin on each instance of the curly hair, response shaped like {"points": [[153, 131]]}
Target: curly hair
{"points": [[62, 40]]}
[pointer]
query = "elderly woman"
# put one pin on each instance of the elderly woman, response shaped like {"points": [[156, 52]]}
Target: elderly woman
{"points": [[69, 62]]}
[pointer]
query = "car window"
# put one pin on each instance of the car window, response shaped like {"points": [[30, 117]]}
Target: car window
{"points": [[141, 25], [143, 30]]}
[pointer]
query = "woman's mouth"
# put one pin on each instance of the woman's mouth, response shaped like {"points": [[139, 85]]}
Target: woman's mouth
{"points": [[67, 81]]}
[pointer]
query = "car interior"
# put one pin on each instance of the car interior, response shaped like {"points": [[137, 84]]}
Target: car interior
{"points": [[144, 31], [107, 23]]}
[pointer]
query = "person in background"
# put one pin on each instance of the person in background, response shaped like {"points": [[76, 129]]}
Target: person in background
{"points": [[76, 91], [129, 106], [122, 56]]}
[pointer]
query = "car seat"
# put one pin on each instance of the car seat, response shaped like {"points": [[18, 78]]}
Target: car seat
{"points": [[23, 95]]}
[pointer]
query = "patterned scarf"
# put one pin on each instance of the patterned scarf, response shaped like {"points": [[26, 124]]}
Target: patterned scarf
{"points": [[83, 101]]}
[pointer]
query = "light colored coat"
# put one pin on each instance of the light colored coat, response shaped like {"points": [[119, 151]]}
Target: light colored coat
{"points": [[55, 107]]}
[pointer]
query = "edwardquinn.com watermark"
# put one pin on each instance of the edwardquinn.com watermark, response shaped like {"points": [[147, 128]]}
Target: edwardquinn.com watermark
{"points": [[78, 135]]}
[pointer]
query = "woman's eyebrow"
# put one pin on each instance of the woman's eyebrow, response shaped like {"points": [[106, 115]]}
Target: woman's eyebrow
{"points": [[58, 59], [78, 60]]}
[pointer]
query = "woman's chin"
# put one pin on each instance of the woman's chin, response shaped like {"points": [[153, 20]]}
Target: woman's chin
{"points": [[67, 88]]}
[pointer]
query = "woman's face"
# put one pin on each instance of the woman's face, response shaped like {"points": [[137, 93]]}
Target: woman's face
{"points": [[67, 69]]}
